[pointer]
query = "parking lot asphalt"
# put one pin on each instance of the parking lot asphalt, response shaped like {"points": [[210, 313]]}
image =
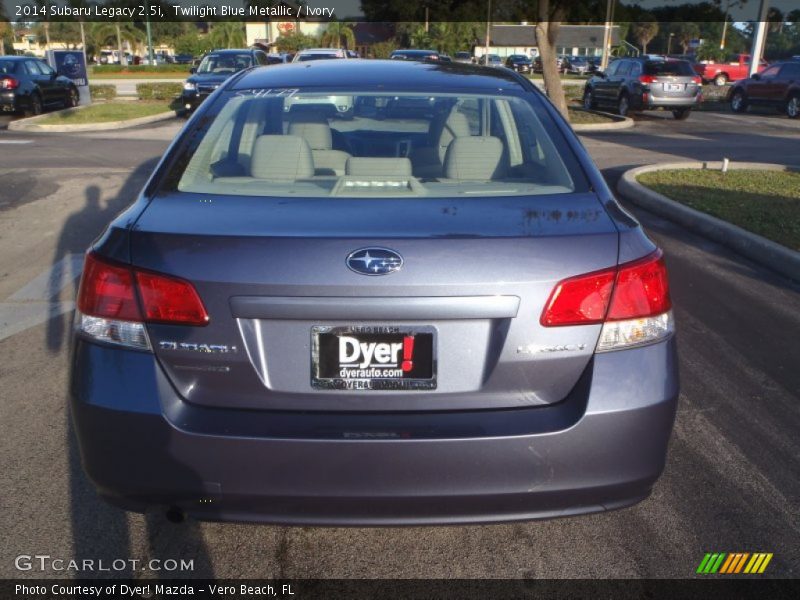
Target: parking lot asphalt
{"points": [[730, 483]]}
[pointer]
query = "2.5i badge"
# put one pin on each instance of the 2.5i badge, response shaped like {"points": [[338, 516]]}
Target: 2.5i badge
{"points": [[373, 358]]}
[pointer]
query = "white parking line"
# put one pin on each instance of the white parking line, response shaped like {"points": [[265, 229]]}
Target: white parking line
{"points": [[32, 304], [15, 141], [48, 284]]}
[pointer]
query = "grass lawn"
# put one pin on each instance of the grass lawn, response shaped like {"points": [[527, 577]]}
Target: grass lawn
{"points": [[109, 111], [580, 117], [764, 202]]}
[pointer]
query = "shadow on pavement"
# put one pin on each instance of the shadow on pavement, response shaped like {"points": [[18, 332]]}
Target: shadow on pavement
{"points": [[101, 532]]}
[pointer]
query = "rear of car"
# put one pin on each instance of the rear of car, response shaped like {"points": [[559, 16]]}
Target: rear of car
{"points": [[320, 54], [434, 312], [30, 85], [644, 84], [463, 57], [519, 63]]}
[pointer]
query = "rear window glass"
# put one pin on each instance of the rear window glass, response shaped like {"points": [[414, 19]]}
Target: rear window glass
{"points": [[317, 56], [292, 143], [671, 67]]}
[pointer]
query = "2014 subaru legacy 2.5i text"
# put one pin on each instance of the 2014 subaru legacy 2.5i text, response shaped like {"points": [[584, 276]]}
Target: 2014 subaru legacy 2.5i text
{"points": [[426, 309]]}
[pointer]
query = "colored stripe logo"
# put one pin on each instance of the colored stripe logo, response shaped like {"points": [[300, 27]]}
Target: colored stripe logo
{"points": [[734, 563]]}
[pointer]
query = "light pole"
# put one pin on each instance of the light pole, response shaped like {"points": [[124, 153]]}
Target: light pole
{"points": [[488, 25], [149, 33], [759, 38], [669, 42]]}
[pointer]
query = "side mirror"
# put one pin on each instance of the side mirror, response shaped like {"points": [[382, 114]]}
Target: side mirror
{"points": [[756, 76], [193, 70]]}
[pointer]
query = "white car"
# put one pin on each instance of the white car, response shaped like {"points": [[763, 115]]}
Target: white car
{"points": [[320, 54]]}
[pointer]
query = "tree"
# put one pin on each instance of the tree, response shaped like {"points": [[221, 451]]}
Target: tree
{"points": [[550, 14], [227, 34], [644, 32], [383, 49], [117, 31], [685, 33], [295, 41], [192, 43], [339, 34]]}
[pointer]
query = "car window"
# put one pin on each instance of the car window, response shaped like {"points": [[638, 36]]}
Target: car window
{"points": [[613, 67], [8, 67], [770, 72], [33, 67], [636, 69], [624, 68], [261, 58], [225, 63], [293, 143], [669, 67], [46, 69]]}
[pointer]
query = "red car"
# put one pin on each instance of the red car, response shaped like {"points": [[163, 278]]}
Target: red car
{"points": [[724, 72], [778, 86]]}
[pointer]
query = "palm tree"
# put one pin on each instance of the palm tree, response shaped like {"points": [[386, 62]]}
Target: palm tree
{"points": [[128, 32], [644, 33], [227, 34], [339, 34]]}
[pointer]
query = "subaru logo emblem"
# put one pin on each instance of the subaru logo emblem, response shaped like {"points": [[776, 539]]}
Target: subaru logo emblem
{"points": [[374, 261]]}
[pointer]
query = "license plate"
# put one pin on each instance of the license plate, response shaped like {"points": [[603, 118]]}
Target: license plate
{"points": [[673, 87], [373, 357]]}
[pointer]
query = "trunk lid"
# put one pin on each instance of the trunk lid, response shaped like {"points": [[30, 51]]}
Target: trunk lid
{"points": [[477, 273]]}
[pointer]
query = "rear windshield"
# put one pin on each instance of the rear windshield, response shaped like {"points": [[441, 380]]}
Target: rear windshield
{"points": [[293, 143], [670, 67], [7, 67], [317, 56], [225, 63]]}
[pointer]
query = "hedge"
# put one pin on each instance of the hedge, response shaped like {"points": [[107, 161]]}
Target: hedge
{"points": [[100, 69], [165, 90], [103, 92]]}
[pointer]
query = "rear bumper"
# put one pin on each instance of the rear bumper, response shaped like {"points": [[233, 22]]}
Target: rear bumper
{"points": [[601, 448], [9, 102], [672, 102]]}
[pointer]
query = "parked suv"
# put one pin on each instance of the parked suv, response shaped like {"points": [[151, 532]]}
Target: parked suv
{"points": [[320, 54], [645, 84], [778, 86]]}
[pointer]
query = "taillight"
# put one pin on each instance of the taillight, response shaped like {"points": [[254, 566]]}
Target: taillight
{"points": [[106, 290], [170, 300], [9, 83], [114, 302], [697, 80], [631, 300], [647, 78]]}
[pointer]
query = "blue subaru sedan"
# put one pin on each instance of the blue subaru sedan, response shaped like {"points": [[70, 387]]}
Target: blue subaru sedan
{"points": [[374, 293]]}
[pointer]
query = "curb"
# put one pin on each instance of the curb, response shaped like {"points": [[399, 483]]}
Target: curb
{"points": [[619, 123], [30, 124], [755, 247]]}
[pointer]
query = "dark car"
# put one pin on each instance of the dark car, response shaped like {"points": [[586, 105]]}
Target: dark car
{"points": [[183, 59], [577, 65], [411, 54], [778, 86], [519, 63], [216, 67], [464, 57], [29, 85], [645, 84], [383, 320]]}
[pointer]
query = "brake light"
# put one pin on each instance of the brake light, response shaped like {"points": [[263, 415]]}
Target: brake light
{"points": [[9, 83], [106, 290], [647, 78], [641, 289], [114, 302], [697, 80], [170, 300], [632, 302]]}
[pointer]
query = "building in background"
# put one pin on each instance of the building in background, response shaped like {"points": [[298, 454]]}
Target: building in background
{"points": [[573, 40]]}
